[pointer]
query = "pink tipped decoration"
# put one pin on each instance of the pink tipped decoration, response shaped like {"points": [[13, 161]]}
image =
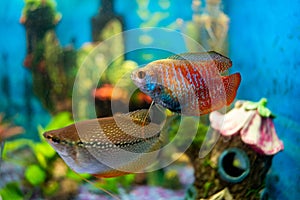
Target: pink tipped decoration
{"points": [[261, 135], [255, 130], [232, 122]]}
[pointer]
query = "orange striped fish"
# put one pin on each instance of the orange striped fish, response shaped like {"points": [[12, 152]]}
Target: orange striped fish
{"points": [[190, 83], [108, 147]]}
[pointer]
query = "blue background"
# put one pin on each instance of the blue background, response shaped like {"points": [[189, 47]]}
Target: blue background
{"points": [[264, 45], [264, 41]]}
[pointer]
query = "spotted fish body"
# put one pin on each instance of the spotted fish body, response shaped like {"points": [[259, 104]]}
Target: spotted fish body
{"points": [[189, 83], [108, 147]]}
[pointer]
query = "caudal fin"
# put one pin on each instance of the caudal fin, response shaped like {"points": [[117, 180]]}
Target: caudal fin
{"points": [[231, 85]]}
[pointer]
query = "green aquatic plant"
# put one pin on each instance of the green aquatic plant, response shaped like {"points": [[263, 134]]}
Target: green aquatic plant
{"points": [[189, 125], [45, 173], [207, 187], [7, 131], [113, 184], [11, 191]]}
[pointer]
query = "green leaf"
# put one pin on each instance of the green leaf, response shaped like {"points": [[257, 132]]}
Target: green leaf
{"points": [[45, 149], [11, 191], [35, 175], [127, 181], [41, 159], [260, 106], [207, 187], [110, 184], [264, 112], [60, 120]]}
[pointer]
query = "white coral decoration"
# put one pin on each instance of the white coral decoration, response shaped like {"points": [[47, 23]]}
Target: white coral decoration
{"points": [[255, 129]]}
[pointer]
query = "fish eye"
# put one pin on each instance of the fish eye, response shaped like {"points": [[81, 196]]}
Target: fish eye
{"points": [[141, 74], [157, 89], [55, 139]]}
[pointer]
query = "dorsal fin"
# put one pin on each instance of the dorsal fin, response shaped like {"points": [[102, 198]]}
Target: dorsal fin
{"points": [[222, 62], [199, 56]]}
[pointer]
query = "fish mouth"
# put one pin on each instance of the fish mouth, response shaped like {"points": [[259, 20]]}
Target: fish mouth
{"points": [[58, 144], [134, 77]]}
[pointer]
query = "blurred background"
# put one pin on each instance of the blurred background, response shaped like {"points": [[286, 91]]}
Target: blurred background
{"points": [[262, 39]]}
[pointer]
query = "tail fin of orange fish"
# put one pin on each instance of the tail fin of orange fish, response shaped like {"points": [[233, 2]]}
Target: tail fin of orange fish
{"points": [[231, 85]]}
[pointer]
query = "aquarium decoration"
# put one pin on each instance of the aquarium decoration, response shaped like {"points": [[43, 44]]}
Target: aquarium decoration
{"points": [[106, 17], [209, 25], [38, 17], [222, 195], [254, 122], [242, 156], [53, 67], [233, 165]]}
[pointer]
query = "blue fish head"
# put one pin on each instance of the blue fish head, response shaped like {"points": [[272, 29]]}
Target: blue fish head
{"points": [[149, 82]]}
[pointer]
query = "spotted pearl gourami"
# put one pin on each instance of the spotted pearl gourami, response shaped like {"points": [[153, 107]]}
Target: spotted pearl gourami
{"points": [[189, 83], [108, 147]]}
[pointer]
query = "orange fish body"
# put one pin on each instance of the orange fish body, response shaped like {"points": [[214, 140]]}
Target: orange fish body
{"points": [[189, 83], [108, 147]]}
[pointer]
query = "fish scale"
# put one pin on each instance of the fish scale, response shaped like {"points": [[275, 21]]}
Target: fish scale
{"points": [[190, 83], [180, 85]]}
